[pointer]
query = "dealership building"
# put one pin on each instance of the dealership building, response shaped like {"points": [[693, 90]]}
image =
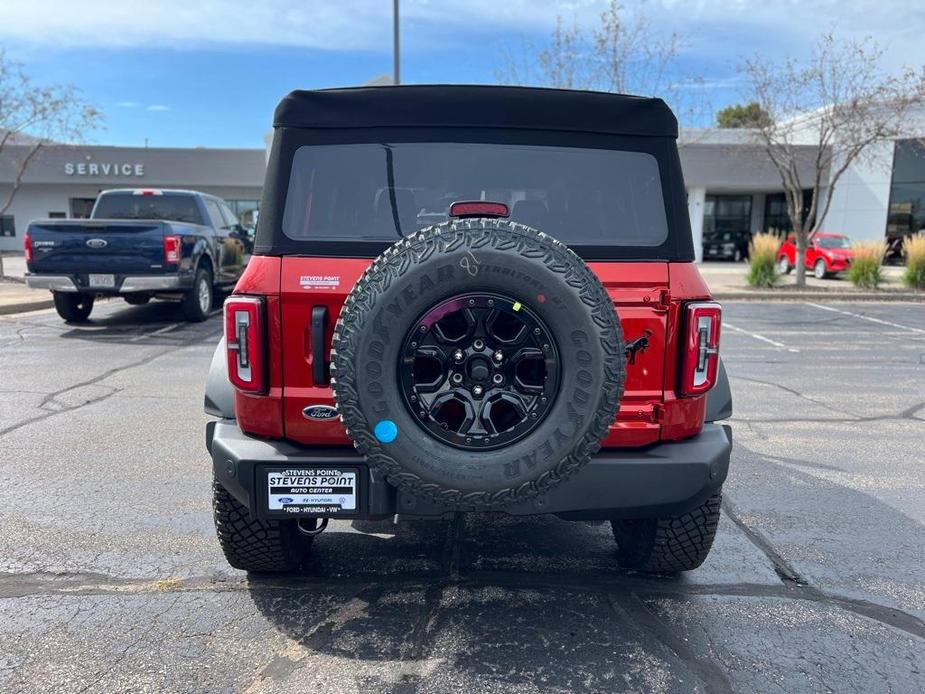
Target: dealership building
{"points": [[733, 189], [64, 181]]}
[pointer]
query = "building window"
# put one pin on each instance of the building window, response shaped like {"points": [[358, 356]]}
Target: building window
{"points": [[776, 216], [57, 215], [907, 191], [7, 225], [726, 214]]}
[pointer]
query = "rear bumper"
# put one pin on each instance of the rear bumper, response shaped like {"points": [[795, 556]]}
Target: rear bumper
{"points": [[662, 480], [124, 285]]}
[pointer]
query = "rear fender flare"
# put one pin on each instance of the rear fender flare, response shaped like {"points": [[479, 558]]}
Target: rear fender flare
{"points": [[219, 397], [719, 399]]}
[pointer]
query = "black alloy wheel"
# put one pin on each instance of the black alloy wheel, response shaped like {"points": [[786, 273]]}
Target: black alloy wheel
{"points": [[479, 371]]}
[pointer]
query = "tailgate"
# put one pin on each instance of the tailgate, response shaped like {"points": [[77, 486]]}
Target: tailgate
{"points": [[320, 285], [107, 246]]}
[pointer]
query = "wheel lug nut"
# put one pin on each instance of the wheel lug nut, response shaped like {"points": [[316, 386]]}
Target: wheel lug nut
{"points": [[457, 378], [423, 328], [478, 344], [458, 355], [498, 379], [477, 390], [533, 415], [472, 302], [536, 331], [491, 302], [498, 356]]}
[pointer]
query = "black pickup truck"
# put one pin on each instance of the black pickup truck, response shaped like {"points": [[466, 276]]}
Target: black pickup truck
{"points": [[138, 244]]}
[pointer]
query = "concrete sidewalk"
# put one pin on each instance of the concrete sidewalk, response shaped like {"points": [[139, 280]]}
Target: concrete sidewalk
{"points": [[727, 281], [16, 297]]}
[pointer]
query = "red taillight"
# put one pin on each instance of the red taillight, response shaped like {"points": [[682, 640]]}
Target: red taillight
{"points": [[172, 246], [245, 340], [700, 358], [27, 243], [479, 208]]}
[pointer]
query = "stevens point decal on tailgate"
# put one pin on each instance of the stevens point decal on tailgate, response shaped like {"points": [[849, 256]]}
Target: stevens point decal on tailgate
{"points": [[319, 281]]}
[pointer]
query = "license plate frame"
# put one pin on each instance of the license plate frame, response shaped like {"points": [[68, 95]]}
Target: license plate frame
{"points": [[101, 281], [308, 499]]}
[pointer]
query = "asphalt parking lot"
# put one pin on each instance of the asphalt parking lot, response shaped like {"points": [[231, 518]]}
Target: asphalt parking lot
{"points": [[112, 580]]}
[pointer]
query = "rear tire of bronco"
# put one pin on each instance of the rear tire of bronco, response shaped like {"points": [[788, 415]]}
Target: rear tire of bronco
{"points": [[73, 308], [254, 545], [478, 299], [197, 303], [668, 545]]}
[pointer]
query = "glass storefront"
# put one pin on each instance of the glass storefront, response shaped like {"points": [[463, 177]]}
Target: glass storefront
{"points": [[906, 213], [246, 211], [776, 216], [726, 214]]}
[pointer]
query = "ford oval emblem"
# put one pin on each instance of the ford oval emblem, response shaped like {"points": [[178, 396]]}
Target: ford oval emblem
{"points": [[97, 243], [319, 413]]}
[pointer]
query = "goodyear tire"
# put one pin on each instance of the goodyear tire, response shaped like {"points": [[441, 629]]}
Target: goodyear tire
{"points": [[668, 545], [254, 545], [524, 274]]}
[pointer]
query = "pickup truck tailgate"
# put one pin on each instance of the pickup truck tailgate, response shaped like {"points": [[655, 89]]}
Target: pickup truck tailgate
{"points": [[109, 246]]}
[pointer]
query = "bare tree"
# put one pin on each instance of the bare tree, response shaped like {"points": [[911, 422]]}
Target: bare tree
{"points": [[33, 118], [841, 102], [622, 52]]}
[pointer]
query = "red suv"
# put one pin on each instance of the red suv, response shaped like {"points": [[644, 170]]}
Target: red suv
{"points": [[466, 299], [826, 254]]}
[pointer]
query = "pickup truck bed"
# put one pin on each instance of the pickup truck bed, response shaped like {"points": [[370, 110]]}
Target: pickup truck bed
{"points": [[138, 244]]}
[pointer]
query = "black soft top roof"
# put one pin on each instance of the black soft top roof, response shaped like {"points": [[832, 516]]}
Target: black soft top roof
{"points": [[481, 106]]}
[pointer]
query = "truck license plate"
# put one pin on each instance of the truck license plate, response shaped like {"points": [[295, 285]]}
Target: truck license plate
{"points": [[312, 491], [103, 281]]}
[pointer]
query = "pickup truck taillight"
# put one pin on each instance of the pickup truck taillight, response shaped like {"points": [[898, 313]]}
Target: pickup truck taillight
{"points": [[245, 340], [27, 243], [172, 246], [700, 353]]}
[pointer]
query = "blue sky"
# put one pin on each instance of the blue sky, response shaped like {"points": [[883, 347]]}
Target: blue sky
{"points": [[209, 72]]}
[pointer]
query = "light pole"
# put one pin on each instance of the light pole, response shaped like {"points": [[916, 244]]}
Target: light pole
{"points": [[396, 59]]}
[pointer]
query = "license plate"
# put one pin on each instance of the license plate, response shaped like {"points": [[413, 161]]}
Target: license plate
{"points": [[312, 491], [105, 281]]}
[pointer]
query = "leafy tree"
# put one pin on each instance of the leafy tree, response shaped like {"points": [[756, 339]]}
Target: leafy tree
{"points": [[749, 115]]}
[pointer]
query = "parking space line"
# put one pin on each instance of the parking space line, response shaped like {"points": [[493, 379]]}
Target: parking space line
{"points": [[159, 331], [867, 318], [756, 336]]}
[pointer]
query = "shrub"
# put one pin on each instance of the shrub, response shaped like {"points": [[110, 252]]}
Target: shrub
{"points": [[865, 268], [762, 260], [914, 250]]}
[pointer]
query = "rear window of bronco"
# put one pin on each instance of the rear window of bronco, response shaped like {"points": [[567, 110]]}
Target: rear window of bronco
{"points": [[382, 192]]}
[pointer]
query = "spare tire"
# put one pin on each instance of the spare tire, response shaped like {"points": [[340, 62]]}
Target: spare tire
{"points": [[477, 363]]}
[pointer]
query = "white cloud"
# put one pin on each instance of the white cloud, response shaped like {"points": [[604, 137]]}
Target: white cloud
{"points": [[719, 28], [158, 107], [127, 104]]}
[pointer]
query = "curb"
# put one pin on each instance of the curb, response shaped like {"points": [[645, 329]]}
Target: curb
{"points": [[784, 295], [26, 306]]}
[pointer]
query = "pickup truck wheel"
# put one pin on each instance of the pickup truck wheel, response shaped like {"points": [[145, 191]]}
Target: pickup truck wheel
{"points": [[668, 545], [73, 308], [254, 545], [783, 265], [477, 363], [198, 301]]}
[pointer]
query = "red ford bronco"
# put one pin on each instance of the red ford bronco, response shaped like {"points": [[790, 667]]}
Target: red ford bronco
{"points": [[470, 299]]}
